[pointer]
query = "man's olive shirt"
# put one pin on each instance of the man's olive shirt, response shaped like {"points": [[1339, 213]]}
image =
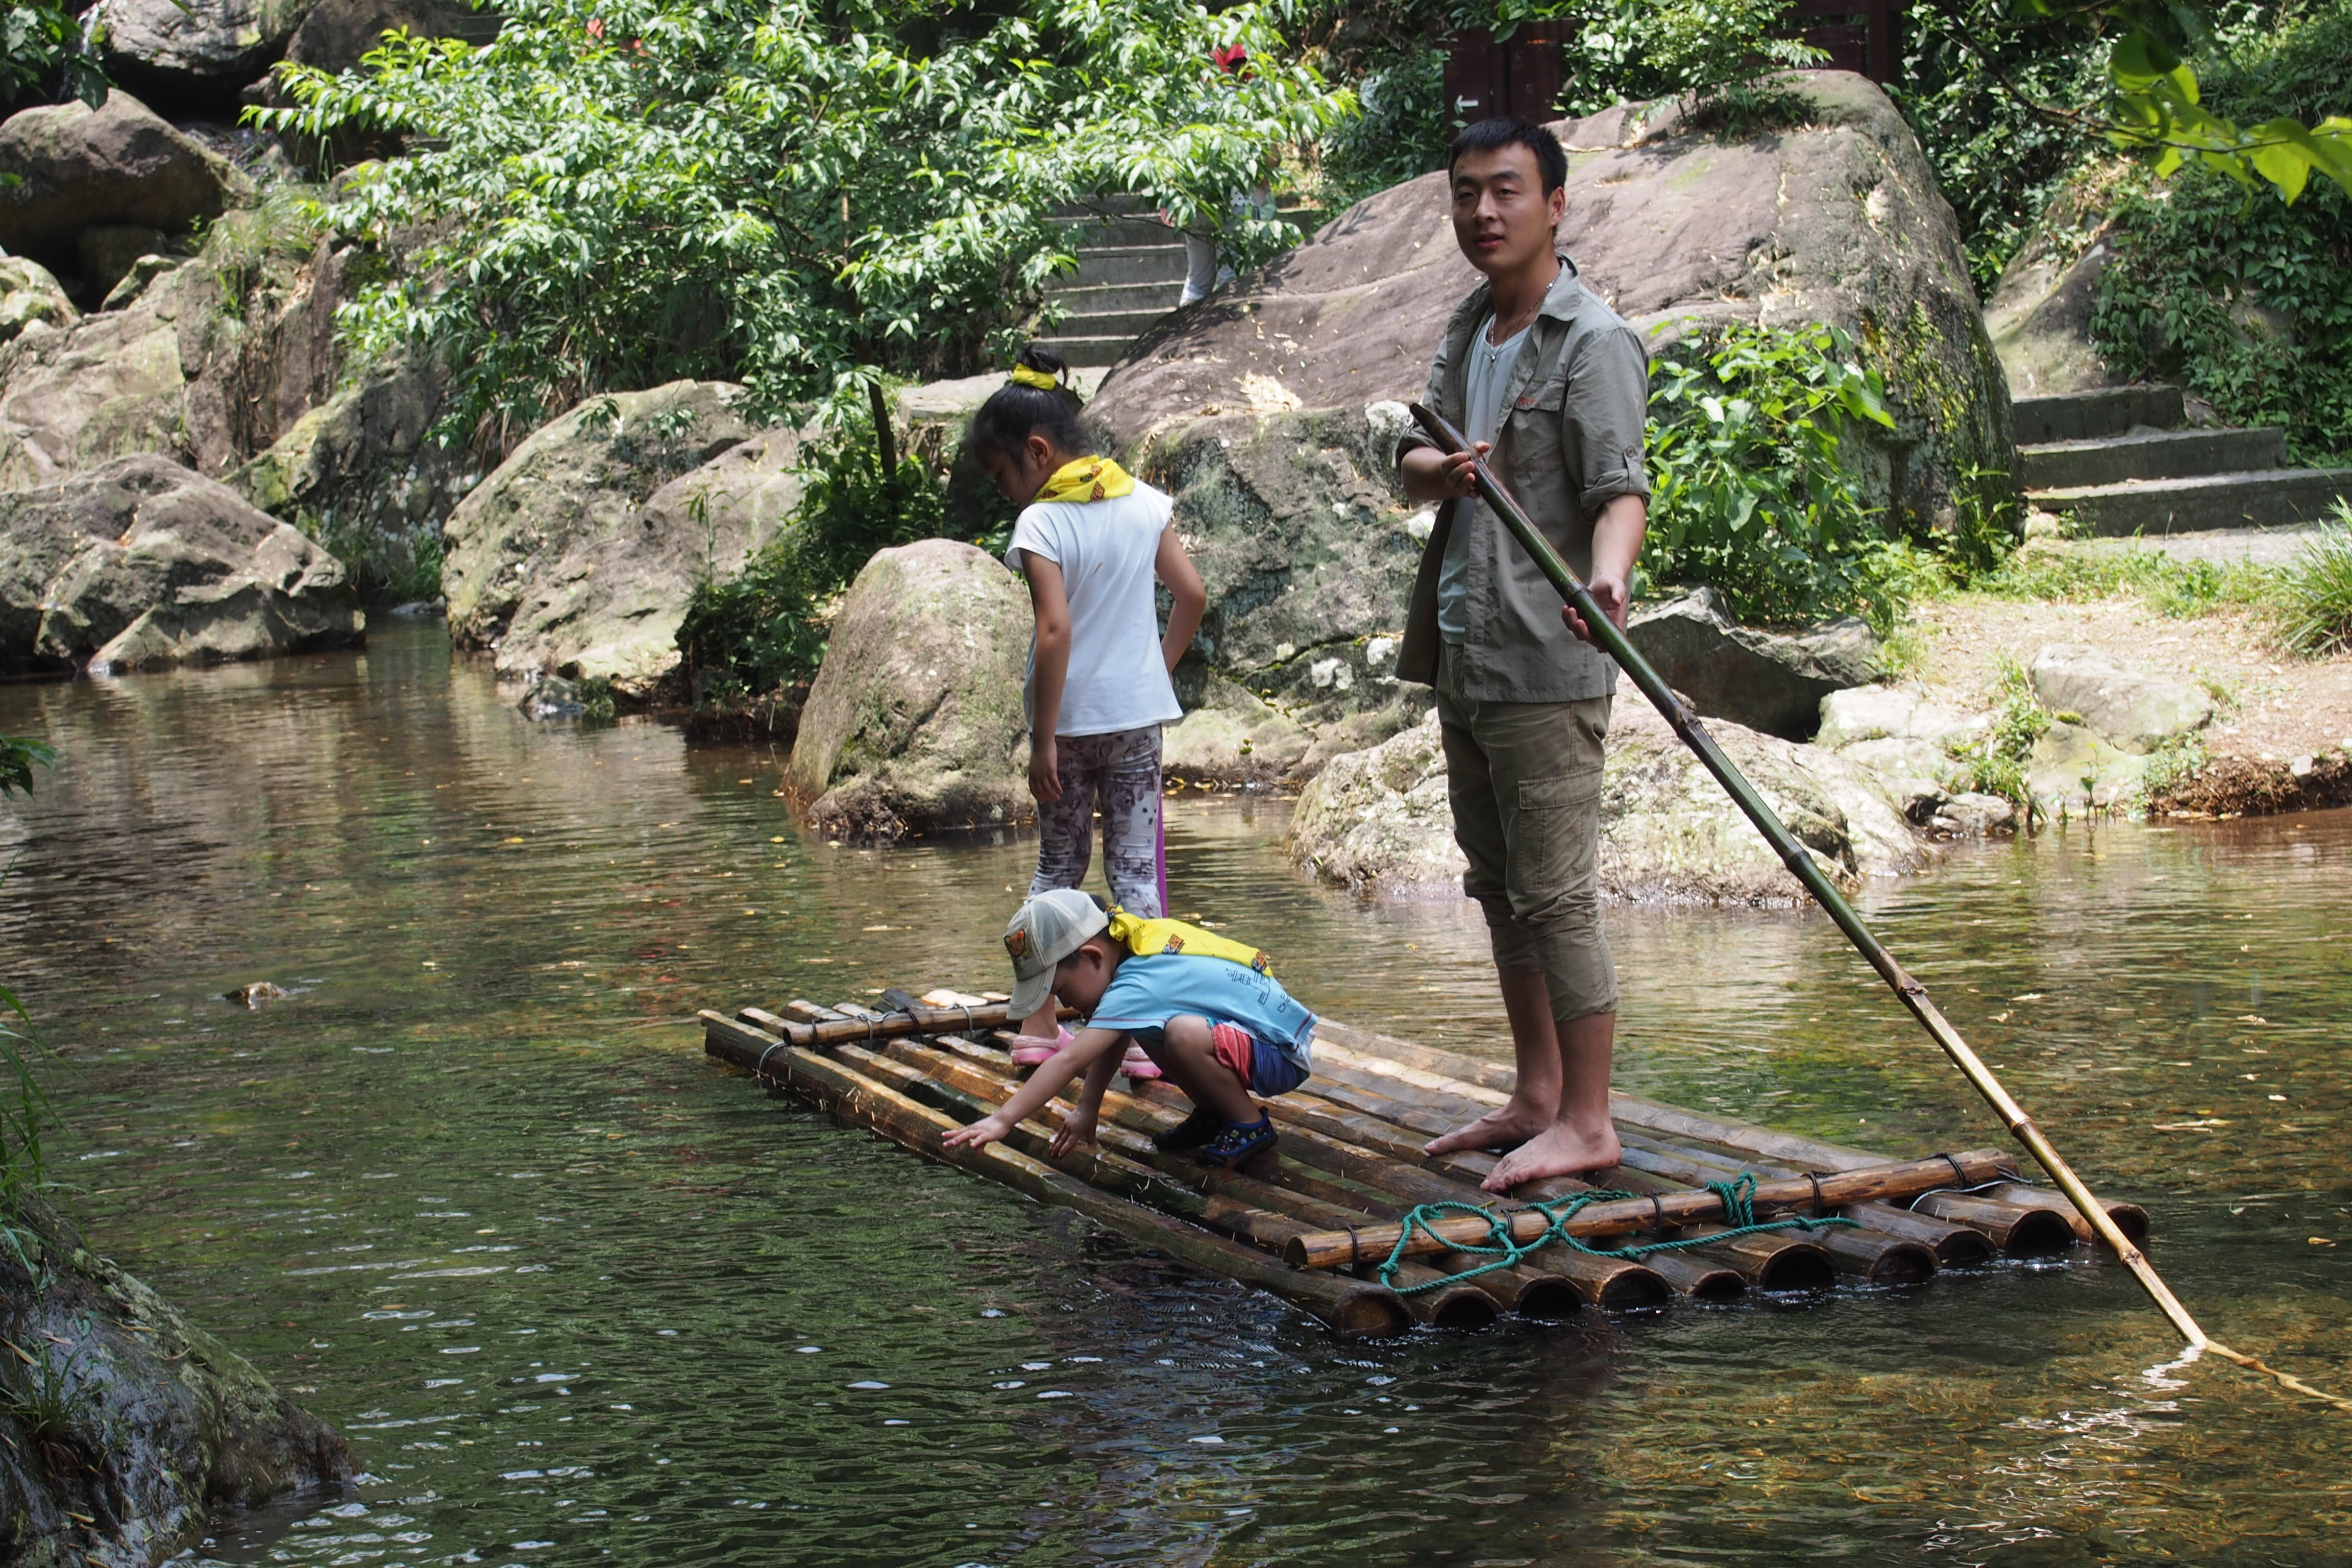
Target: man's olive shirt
{"points": [[1571, 441]]}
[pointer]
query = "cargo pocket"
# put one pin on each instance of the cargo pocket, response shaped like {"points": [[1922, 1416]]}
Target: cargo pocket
{"points": [[1552, 842]]}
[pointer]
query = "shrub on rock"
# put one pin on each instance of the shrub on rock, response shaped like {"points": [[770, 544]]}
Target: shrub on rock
{"points": [[143, 563], [915, 722]]}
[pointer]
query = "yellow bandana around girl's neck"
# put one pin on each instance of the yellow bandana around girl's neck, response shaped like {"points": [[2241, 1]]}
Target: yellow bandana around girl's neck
{"points": [[1088, 478]]}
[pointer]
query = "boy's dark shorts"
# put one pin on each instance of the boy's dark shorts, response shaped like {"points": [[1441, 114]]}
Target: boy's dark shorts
{"points": [[1266, 1069]]}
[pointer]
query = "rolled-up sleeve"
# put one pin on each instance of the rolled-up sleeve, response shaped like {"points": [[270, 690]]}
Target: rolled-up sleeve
{"points": [[1602, 414]]}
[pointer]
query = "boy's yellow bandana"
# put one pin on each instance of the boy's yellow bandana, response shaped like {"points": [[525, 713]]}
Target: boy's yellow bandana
{"points": [[1088, 478], [1025, 375]]}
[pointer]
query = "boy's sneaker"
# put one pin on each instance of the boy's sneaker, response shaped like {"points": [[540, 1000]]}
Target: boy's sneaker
{"points": [[1235, 1143], [1190, 1133], [1138, 1064], [1028, 1050]]}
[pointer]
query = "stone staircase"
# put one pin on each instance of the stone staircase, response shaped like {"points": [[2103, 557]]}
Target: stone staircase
{"points": [[1131, 274], [2117, 463]]}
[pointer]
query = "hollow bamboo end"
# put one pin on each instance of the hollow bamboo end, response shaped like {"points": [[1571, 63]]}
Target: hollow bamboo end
{"points": [[1903, 1263], [1634, 1289], [1370, 1313], [1800, 1265], [1551, 1300]]}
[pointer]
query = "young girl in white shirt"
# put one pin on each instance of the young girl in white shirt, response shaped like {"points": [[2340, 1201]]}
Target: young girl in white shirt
{"points": [[1092, 543]]}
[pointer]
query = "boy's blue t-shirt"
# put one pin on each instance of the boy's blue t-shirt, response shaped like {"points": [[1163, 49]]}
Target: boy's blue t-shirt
{"points": [[1152, 988]]}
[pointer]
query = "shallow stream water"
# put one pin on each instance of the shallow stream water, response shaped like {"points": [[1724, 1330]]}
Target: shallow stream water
{"points": [[576, 1295]]}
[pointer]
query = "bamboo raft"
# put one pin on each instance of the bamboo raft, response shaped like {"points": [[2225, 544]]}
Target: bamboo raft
{"points": [[1312, 1221]]}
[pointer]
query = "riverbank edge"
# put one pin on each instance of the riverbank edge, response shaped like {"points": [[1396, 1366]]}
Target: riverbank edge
{"points": [[128, 1430]]}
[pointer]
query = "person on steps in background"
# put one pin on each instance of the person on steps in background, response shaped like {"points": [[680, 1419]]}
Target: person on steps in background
{"points": [[1536, 371], [1092, 543], [1222, 1029]]}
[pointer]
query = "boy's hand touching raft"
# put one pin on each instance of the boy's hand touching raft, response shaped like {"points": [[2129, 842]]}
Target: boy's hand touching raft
{"points": [[987, 1130]]}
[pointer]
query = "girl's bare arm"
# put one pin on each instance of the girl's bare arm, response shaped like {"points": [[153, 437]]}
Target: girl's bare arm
{"points": [[1192, 599]]}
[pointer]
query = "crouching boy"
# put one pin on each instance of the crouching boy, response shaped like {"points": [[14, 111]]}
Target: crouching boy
{"points": [[1222, 1031]]}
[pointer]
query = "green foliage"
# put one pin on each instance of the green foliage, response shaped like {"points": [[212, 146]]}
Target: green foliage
{"points": [[763, 629], [23, 1105], [52, 1399], [17, 759], [2314, 595], [1714, 53], [41, 43], [1753, 488], [619, 192], [1994, 763], [1402, 133], [1974, 81], [2247, 303]]}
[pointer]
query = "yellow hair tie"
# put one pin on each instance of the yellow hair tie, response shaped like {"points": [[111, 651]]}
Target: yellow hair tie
{"points": [[1024, 376]]}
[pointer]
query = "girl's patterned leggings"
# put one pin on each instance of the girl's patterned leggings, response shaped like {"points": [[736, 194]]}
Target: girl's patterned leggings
{"points": [[1118, 773]]}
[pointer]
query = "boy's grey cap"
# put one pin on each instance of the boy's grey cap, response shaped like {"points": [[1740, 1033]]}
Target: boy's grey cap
{"points": [[1045, 930]]}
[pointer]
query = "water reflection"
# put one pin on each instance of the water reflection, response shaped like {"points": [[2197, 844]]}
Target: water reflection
{"points": [[475, 1193]]}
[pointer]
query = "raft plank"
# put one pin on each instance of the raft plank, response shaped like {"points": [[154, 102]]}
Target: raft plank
{"points": [[1352, 1307]]}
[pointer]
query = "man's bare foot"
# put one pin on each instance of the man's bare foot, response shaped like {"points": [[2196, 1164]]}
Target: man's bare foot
{"points": [[1558, 1150], [1506, 1127]]}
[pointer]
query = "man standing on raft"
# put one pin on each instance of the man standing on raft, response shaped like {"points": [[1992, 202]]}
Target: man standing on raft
{"points": [[1537, 369]]}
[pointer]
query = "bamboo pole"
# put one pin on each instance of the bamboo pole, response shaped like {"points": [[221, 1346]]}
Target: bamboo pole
{"points": [[1802, 865], [1352, 1307], [1787, 1195]]}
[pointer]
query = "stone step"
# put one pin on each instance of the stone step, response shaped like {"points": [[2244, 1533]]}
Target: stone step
{"points": [[2153, 454], [1108, 323], [2087, 416], [1099, 233], [1087, 352], [2271, 498], [1122, 297], [1129, 264]]}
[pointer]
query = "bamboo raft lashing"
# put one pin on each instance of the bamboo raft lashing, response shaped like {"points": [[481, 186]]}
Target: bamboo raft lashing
{"points": [[1313, 1222]]}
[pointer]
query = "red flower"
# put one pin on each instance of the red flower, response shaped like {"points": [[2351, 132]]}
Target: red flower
{"points": [[597, 28]]}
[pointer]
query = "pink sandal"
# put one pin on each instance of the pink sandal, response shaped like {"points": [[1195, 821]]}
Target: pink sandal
{"points": [[1138, 1066], [1028, 1050]]}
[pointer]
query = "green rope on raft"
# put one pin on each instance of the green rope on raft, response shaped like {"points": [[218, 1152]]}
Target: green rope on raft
{"points": [[1738, 1213]]}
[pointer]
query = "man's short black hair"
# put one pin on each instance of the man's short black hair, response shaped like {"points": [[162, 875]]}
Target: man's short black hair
{"points": [[1509, 130]]}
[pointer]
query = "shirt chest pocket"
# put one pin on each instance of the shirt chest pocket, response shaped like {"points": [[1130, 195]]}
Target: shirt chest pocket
{"points": [[1531, 435]]}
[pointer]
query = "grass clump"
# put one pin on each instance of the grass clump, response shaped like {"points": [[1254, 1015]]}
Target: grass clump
{"points": [[1994, 763], [2313, 594]]}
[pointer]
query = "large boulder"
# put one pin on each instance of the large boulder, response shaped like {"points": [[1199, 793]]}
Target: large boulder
{"points": [[143, 564], [914, 723], [609, 607], [2039, 313], [2131, 711], [210, 360], [575, 487], [118, 163], [195, 53], [30, 293], [1379, 820], [362, 468], [1838, 220], [1307, 553], [1772, 681]]}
